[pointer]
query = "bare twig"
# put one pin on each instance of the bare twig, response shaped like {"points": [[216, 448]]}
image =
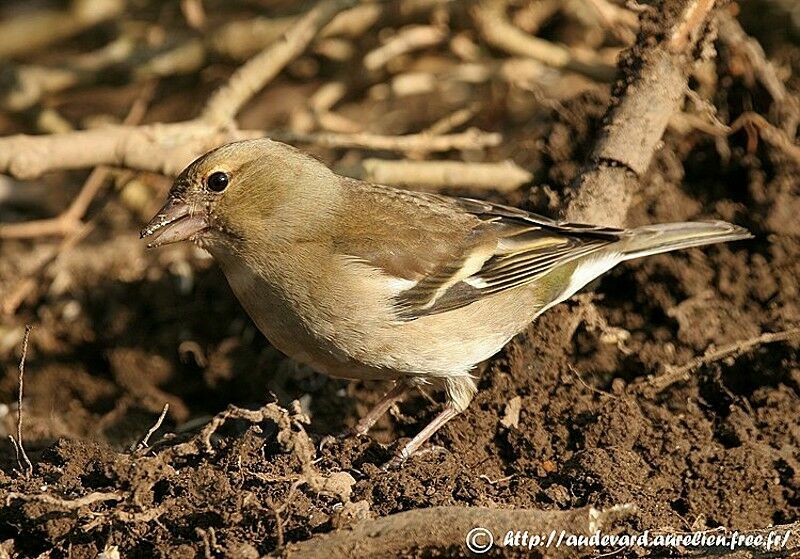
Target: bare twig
{"points": [[533, 15], [673, 374], [621, 22], [504, 176], [193, 13], [491, 20], [734, 37], [252, 76], [470, 139], [689, 26], [156, 426], [453, 120], [159, 148], [23, 287], [776, 137], [34, 31], [66, 504], [406, 40], [19, 445], [69, 221]]}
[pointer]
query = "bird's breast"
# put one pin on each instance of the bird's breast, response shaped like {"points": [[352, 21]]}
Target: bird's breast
{"points": [[310, 327]]}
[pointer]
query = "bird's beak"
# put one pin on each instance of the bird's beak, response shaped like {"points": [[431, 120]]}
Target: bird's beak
{"points": [[174, 222]]}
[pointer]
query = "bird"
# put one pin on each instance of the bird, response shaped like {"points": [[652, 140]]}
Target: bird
{"points": [[369, 282]]}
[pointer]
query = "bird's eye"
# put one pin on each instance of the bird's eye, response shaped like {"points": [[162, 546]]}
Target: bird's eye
{"points": [[218, 181]]}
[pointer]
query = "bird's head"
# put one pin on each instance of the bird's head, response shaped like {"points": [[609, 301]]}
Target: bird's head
{"points": [[243, 191]]}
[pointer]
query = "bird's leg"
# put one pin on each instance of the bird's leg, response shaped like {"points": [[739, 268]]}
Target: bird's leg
{"points": [[383, 405], [413, 445], [459, 391]]}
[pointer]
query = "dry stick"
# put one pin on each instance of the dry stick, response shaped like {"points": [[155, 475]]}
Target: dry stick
{"points": [[446, 527], [407, 40], [194, 14], [69, 221], [533, 16], [237, 40], [158, 148], [24, 286], [470, 139], [252, 76], [33, 31], [453, 120], [673, 374], [732, 35], [65, 504], [490, 18], [144, 442], [31, 82], [773, 135], [504, 176], [19, 446], [687, 31], [445, 124], [636, 123], [620, 21], [166, 148]]}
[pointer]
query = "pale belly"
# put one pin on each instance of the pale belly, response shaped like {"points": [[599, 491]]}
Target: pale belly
{"points": [[293, 334], [358, 345]]}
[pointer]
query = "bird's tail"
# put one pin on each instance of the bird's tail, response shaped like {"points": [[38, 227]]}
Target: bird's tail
{"points": [[664, 237]]}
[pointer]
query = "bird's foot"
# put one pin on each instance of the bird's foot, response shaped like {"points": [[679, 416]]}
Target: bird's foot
{"points": [[402, 457]]}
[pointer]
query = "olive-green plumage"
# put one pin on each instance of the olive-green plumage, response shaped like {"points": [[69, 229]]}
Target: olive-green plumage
{"points": [[370, 282]]}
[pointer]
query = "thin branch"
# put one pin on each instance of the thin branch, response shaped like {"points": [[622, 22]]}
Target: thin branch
{"points": [[689, 27], [406, 40], [788, 104], [17, 294], [490, 18], [34, 31], [673, 374], [252, 76], [158, 148], [504, 176], [470, 139], [776, 137], [146, 440], [168, 148], [453, 120], [70, 220], [19, 445], [65, 504]]}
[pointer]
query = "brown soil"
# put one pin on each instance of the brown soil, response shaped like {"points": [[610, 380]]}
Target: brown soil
{"points": [[120, 331]]}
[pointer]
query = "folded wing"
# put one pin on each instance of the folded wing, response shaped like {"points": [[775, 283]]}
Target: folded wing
{"points": [[512, 248]]}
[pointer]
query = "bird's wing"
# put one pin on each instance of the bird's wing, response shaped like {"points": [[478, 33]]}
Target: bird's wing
{"points": [[527, 246], [458, 250]]}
